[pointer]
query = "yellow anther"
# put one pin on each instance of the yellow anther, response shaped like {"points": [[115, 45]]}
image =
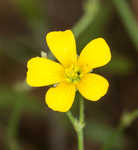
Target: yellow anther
{"points": [[73, 74]]}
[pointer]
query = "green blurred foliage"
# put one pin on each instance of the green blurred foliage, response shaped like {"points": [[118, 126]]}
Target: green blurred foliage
{"points": [[119, 65], [92, 24], [31, 9], [9, 97], [103, 134]]}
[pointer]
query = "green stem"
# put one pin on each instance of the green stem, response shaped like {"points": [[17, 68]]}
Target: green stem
{"points": [[91, 7], [81, 109], [80, 140], [80, 132], [72, 119], [78, 124], [128, 19]]}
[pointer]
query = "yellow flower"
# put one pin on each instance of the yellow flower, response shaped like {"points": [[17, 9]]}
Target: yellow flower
{"points": [[72, 73]]}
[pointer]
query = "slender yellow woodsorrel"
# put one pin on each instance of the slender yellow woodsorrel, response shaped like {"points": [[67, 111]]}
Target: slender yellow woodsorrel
{"points": [[72, 73]]}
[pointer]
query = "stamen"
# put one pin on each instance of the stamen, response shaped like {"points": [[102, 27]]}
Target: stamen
{"points": [[73, 74]]}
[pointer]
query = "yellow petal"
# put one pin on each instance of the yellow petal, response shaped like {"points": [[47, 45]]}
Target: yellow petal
{"points": [[42, 72], [61, 97], [93, 86], [95, 54], [62, 44]]}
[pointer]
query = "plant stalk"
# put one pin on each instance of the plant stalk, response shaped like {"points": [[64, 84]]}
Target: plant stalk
{"points": [[78, 124]]}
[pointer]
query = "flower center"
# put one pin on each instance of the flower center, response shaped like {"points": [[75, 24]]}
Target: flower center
{"points": [[73, 74]]}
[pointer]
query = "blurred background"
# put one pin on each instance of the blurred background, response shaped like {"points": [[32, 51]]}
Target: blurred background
{"points": [[26, 123]]}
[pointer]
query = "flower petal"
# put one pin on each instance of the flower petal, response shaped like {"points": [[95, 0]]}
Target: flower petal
{"points": [[93, 86], [95, 54], [62, 44], [61, 97], [42, 72]]}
